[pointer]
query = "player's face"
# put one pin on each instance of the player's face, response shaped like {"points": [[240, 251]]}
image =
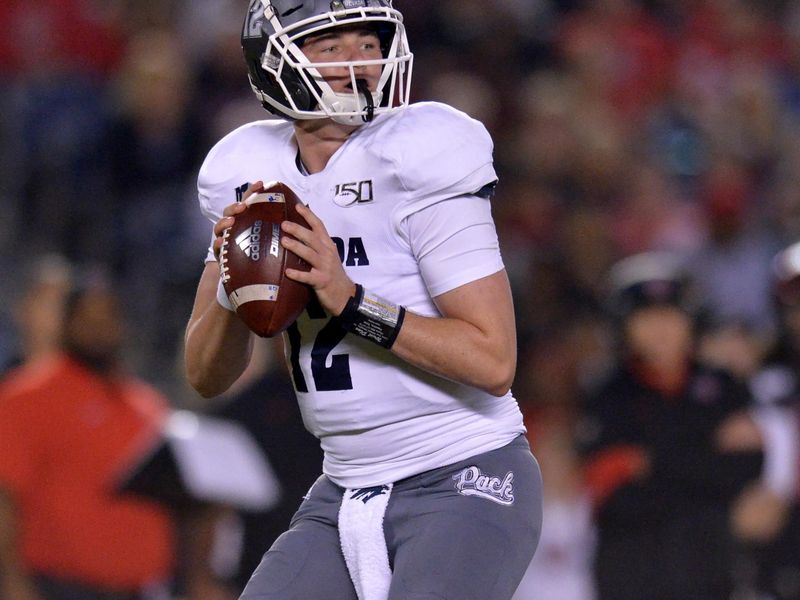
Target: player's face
{"points": [[659, 334], [95, 330], [345, 45]]}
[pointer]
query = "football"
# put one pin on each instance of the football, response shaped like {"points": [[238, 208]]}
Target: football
{"points": [[253, 262]]}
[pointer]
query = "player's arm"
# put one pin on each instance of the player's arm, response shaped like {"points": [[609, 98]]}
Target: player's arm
{"points": [[218, 343], [14, 581], [474, 342]]}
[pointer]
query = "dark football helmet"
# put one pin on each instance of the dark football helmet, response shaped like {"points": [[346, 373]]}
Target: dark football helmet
{"points": [[289, 85], [650, 279]]}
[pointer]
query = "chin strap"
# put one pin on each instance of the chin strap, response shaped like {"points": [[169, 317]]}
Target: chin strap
{"points": [[363, 88], [351, 104]]}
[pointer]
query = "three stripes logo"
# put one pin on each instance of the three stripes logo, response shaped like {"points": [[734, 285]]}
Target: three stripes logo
{"points": [[250, 241]]}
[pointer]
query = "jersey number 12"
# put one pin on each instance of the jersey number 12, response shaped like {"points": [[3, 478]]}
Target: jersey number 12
{"points": [[327, 378]]}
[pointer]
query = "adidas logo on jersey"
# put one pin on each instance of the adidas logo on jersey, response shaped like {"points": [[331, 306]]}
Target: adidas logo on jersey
{"points": [[472, 482], [250, 241]]}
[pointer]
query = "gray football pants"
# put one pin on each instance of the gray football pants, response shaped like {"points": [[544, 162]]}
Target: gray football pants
{"points": [[451, 534]]}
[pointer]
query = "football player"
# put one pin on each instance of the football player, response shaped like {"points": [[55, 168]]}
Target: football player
{"points": [[403, 362]]}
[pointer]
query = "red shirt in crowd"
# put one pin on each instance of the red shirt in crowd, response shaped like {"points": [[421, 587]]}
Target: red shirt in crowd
{"points": [[66, 435]]}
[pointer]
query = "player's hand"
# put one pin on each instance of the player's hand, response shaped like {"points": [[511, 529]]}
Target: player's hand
{"points": [[315, 246], [759, 515], [229, 215], [738, 433]]}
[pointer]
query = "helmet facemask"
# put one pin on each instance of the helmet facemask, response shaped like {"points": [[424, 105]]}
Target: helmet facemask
{"points": [[289, 84]]}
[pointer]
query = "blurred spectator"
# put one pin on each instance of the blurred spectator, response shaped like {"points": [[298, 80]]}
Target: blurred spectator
{"points": [[785, 288], [668, 445], [733, 264], [55, 60], [733, 345], [38, 310], [562, 567], [57, 35], [211, 32], [68, 425], [651, 214], [153, 147], [620, 52], [767, 517]]}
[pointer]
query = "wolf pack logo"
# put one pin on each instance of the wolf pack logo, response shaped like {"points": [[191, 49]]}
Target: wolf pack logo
{"points": [[473, 482], [367, 494]]}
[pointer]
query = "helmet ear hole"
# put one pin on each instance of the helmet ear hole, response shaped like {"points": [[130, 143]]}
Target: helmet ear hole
{"points": [[297, 91]]}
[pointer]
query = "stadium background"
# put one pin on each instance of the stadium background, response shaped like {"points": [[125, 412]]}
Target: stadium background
{"points": [[620, 126]]}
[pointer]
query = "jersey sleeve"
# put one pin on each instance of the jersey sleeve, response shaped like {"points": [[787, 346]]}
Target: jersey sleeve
{"points": [[224, 170], [439, 153], [217, 183], [454, 242], [216, 187]]}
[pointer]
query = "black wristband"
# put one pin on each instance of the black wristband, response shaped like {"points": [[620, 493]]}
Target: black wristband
{"points": [[372, 317]]}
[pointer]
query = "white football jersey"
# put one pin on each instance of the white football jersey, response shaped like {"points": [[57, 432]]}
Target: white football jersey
{"points": [[389, 197]]}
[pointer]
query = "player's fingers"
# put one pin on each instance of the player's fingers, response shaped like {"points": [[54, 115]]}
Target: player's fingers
{"points": [[217, 246], [228, 214], [307, 253], [253, 188], [319, 240], [221, 225], [239, 207], [234, 209], [301, 276], [298, 232]]}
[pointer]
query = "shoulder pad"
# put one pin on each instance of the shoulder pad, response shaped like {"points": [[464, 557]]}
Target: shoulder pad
{"points": [[224, 168], [440, 152]]}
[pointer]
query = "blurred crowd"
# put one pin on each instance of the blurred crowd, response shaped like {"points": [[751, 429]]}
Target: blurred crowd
{"points": [[621, 127]]}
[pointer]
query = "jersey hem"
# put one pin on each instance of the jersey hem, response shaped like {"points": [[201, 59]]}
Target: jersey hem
{"points": [[437, 461]]}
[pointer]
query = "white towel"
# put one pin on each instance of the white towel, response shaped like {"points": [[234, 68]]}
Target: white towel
{"points": [[363, 541]]}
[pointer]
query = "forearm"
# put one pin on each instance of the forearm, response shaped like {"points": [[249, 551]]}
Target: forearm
{"points": [[473, 341], [218, 343], [217, 351], [14, 580], [457, 350]]}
